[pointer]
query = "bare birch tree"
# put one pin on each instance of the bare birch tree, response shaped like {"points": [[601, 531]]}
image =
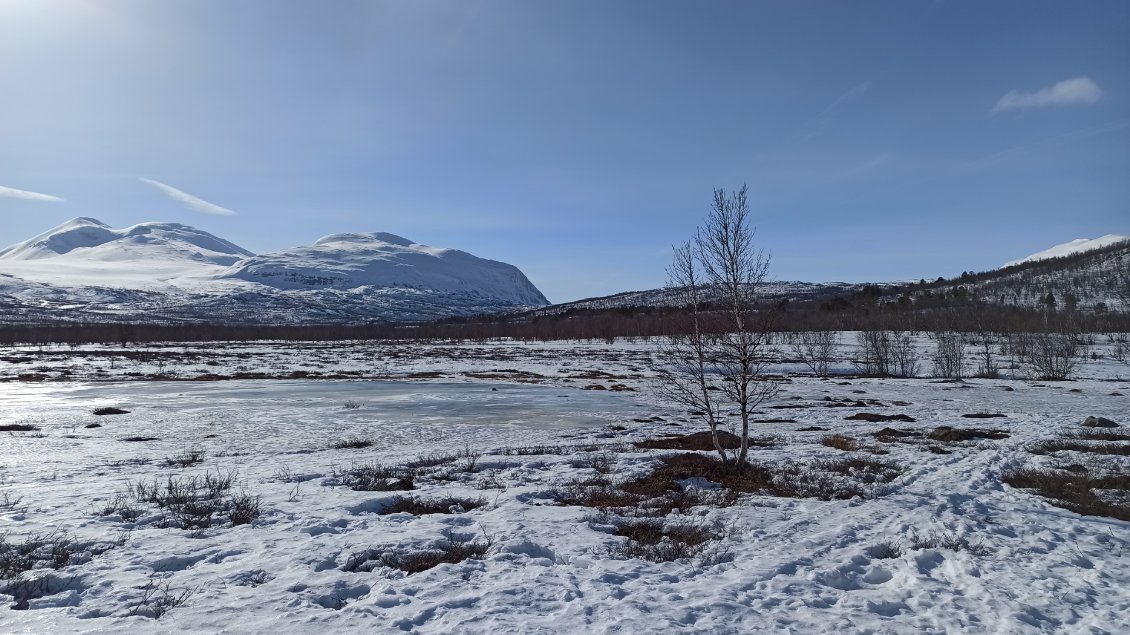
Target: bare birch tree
{"points": [[716, 364]]}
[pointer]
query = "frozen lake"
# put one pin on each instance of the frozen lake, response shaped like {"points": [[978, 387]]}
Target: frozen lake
{"points": [[275, 416]]}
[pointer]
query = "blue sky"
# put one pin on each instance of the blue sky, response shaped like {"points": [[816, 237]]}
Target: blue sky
{"points": [[578, 140]]}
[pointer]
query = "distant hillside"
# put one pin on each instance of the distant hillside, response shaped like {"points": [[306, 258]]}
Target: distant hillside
{"points": [[1095, 279]]}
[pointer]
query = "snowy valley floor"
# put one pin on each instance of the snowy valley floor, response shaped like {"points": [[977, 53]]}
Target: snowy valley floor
{"points": [[500, 434]]}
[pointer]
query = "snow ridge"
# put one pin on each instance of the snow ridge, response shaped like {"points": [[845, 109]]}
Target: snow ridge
{"points": [[1076, 246]]}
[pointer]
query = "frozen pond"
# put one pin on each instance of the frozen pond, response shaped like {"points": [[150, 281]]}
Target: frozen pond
{"points": [[276, 416]]}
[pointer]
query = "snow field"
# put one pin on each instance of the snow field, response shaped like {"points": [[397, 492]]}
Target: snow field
{"points": [[782, 564]]}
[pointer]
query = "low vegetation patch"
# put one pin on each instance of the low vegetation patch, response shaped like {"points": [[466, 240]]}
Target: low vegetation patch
{"points": [[840, 442], [657, 540], [373, 477], [453, 549], [1052, 446], [949, 435], [667, 487], [984, 415], [872, 417], [195, 502], [420, 507], [894, 548], [1100, 435], [947, 540], [18, 427], [109, 410], [52, 550], [892, 435], [351, 444], [1083, 493], [701, 441], [158, 598], [467, 459], [140, 439], [186, 458], [535, 450]]}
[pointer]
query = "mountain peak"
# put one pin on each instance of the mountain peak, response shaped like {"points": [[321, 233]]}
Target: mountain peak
{"points": [[80, 221], [92, 239], [363, 238]]}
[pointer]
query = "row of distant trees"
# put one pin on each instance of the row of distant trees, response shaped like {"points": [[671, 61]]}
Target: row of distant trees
{"points": [[592, 324]]}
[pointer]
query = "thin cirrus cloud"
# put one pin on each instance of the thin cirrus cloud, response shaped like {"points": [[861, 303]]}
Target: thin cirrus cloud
{"points": [[1077, 90], [25, 195], [822, 121], [193, 202]]}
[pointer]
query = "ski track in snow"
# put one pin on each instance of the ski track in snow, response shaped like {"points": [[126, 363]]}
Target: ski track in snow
{"points": [[797, 565]]}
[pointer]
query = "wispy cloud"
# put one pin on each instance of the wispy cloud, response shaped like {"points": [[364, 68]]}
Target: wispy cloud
{"points": [[193, 202], [1077, 90], [24, 195], [823, 120]]}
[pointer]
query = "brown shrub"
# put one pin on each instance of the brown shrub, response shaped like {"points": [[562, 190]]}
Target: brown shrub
{"points": [[840, 442], [1076, 491], [949, 434]]}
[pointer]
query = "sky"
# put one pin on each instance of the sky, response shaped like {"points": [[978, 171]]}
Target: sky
{"points": [[578, 140]]}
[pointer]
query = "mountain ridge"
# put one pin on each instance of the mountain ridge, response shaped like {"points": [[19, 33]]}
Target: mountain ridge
{"points": [[1079, 245]]}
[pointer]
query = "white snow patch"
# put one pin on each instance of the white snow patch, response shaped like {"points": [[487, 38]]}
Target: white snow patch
{"points": [[1076, 246]]}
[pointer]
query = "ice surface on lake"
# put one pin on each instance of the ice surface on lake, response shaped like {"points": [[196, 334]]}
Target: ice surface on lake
{"points": [[282, 416]]}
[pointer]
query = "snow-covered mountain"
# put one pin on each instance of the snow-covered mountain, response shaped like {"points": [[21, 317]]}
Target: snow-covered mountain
{"points": [[89, 239], [84, 269], [1076, 246], [381, 260]]}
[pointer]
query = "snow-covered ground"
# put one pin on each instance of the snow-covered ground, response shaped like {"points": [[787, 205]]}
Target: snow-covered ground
{"points": [[781, 564]]}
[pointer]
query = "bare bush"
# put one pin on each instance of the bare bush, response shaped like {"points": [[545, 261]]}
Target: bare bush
{"points": [[1052, 356], [947, 540], [123, 506], [373, 477], [188, 502], [12, 504], [886, 354], [949, 355], [874, 356], [187, 457], [816, 349], [1119, 347], [986, 345], [53, 550], [158, 598], [886, 550], [244, 509]]}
